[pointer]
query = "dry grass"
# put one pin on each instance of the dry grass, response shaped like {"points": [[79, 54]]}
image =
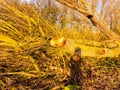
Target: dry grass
{"points": [[27, 61]]}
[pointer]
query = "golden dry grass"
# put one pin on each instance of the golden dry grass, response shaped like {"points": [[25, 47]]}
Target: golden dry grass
{"points": [[28, 61]]}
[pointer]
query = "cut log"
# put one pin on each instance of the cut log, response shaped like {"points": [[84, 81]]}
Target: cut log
{"points": [[91, 51]]}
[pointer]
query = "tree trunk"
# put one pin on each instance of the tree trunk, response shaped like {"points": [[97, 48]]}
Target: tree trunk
{"points": [[104, 29]]}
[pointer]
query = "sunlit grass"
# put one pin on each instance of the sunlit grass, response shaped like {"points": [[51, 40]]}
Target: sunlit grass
{"points": [[24, 44]]}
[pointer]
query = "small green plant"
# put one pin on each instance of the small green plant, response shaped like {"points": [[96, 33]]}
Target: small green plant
{"points": [[72, 87]]}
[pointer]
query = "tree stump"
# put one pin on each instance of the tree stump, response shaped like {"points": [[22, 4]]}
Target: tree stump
{"points": [[75, 70]]}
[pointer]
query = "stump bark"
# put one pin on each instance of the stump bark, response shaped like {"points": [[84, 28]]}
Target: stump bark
{"points": [[75, 69]]}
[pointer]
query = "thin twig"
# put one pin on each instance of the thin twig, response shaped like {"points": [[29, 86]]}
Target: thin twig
{"points": [[19, 73]]}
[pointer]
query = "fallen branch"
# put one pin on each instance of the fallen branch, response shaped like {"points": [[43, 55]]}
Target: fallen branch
{"points": [[56, 87], [104, 29], [91, 51], [19, 73]]}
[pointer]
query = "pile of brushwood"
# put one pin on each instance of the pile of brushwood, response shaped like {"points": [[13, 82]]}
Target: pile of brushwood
{"points": [[28, 61]]}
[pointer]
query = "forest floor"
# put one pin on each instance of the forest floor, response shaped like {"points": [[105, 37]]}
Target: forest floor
{"points": [[104, 76]]}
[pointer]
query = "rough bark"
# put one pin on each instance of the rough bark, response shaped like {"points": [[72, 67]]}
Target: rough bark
{"points": [[76, 77]]}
